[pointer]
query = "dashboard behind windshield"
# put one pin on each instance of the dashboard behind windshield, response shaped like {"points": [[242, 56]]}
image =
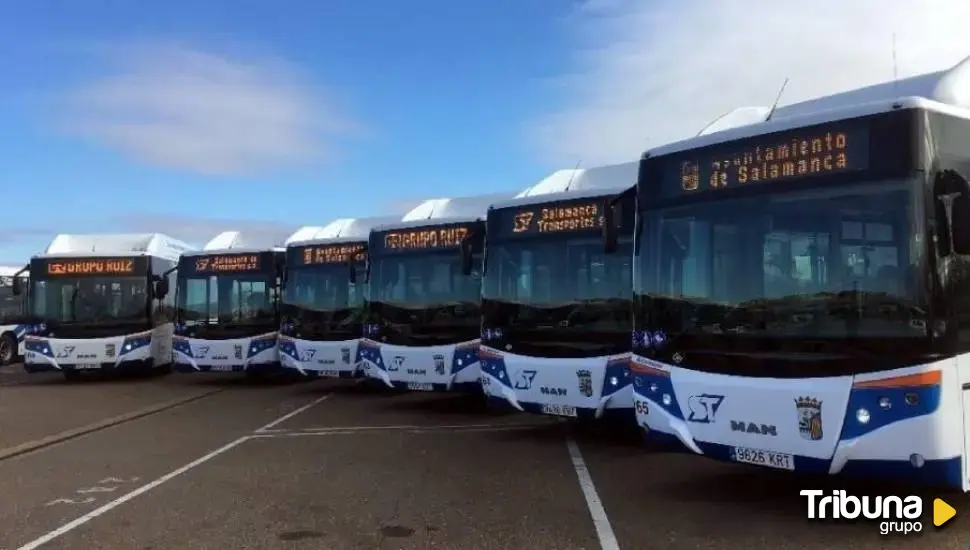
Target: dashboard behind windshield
{"points": [[807, 270], [89, 299], [558, 297]]}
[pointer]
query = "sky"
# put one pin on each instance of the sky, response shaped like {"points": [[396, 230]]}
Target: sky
{"points": [[194, 118]]}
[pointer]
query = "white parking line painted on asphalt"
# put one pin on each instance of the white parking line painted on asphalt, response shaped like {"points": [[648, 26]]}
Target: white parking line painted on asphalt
{"points": [[311, 432], [74, 524], [604, 531]]}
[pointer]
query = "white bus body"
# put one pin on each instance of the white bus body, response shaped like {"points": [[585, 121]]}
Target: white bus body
{"points": [[228, 306], [546, 264], [797, 307], [322, 315], [13, 322], [102, 302], [424, 310]]}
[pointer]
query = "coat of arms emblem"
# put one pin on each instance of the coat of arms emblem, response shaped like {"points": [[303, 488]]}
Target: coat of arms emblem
{"points": [[809, 412], [585, 382]]}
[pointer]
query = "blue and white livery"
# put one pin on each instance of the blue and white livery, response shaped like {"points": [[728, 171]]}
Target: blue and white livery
{"points": [[102, 303], [424, 310], [801, 286], [13, 322], [228, 306], [324, 288], [556, 309]]}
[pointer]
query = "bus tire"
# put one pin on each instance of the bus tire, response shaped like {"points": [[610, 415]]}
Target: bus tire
{"points": [[8, 349]]}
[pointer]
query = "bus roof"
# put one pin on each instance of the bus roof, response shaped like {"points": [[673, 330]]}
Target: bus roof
{"points": [[448, 210], [341, 230], [118, 244], [577, 183], [946, 91], [235, 242]]}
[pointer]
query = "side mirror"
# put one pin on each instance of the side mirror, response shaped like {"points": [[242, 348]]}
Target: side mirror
{"points": [[609, 229], [352, 271], [161, 288], [952, 193], [16, 287], [467, 256]]}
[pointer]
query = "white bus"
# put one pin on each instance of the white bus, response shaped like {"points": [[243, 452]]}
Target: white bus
{"points": [[102, 303], [801, 286], [13, 314], [228, 307], [557, 305], [424, 310], [324, 287]]}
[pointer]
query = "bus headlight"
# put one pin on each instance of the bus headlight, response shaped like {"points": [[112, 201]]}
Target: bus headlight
{"points": [[862, 415], [666, 399], [614, 381], [653, 386], [884, 403]]}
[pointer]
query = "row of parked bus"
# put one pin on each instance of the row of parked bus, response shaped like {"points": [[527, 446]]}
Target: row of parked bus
{"points": [[787, 289]]}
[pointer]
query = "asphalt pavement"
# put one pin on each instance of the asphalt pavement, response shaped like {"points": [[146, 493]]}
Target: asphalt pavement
{"points": [[336, 464]]}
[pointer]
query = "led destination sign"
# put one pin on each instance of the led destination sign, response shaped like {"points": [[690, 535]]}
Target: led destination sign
{"points": [[831, 149], [227, 263], [437, 237], [555, 219], [113, 266], [333, 254]]}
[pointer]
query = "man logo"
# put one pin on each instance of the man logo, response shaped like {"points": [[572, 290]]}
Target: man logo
{"points": [[703, 407], [439, 364], [524, 379], [809, 412], [585, 382], [66, 351], [752, 428], [396, 363], [201, 352]]}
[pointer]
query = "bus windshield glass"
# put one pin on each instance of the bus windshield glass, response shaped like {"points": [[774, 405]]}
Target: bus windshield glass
{"points": [[830, 263], [325, 288], [89, 298], [559, 296], [231, 298]]}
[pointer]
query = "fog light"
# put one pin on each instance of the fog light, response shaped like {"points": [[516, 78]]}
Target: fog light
{"points": [[666, 399], [653, 386], [884, 403], [911, 399], [614, 381], [862, 416], [917, 460]]}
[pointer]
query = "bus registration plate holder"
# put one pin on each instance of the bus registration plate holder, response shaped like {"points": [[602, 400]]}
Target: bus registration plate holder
{"points": [[420, 386], [87, 366], [559, 410], [759, 457]]}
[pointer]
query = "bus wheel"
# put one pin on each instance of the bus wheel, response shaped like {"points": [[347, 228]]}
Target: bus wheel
{"points": [[8, 349]]}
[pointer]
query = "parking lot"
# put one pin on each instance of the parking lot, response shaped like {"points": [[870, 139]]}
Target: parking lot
{"points": [[216, 462]]}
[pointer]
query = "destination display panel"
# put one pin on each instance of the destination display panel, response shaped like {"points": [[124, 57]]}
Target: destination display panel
{"points": [[217, 264], [576, 216], [88, 267], [429, 238], [843, 148], [326, 254]]}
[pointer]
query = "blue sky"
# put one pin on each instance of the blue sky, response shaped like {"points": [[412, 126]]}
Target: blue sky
{"points": [[192, 118]]}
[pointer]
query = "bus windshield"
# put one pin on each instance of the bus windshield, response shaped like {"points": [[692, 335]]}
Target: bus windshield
{"points": [[829, 263], [89, 299], [326, 288], [567, 289], [423, 298], [236, 298]]}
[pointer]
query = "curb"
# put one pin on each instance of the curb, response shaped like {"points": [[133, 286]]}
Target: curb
{"points": [[73, 433]]}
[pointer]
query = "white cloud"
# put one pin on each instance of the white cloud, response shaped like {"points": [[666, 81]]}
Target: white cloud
{"points": [[191, 110], [649, 72]]}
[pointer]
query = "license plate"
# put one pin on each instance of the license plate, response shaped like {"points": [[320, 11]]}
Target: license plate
{"points": [[771, 459], [221, 368], [330, 373], [559, 410], [420, 386], [87, 366]]}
